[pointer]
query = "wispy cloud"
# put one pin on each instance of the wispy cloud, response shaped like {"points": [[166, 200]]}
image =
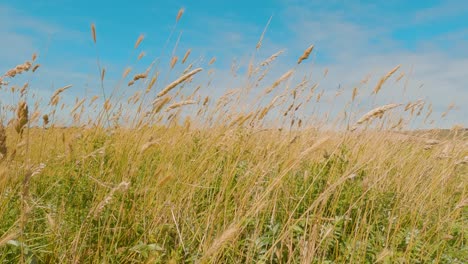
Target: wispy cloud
{"points": [[445, 9], [353, 50]]}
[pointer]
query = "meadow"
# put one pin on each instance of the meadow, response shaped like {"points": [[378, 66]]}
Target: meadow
{"points": [[257, 175]]}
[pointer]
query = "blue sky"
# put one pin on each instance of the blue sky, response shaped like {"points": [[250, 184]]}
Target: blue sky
{"points": [[352, 38]]}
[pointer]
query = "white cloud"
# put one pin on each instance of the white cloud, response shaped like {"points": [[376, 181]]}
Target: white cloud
{"points": [[446, 9], [440, 67]]}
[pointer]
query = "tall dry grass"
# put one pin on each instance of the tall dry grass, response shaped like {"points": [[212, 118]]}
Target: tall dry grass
{"points": [[260, 174]]}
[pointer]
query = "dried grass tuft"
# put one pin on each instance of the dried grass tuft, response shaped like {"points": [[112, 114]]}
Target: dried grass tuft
{"points": [[206, 100], [400, 77], [24, 88], [34, 117], [159, 103], [3, 146], [126, 72], [355, 93], [107, 105], [377, 112], [45, 120], [93, 32], [179, 14], [187, 54], [225, 237], [279, 81], [54, 99], [384, 79], [78, 105], [19, 69], [179, 104], [174, 60], [21, 117], [259, 43], [151, 83], [139, 40], [306, 54], [178, 81], [212, 61], [34, 69], [140, 76], [271, 58]]}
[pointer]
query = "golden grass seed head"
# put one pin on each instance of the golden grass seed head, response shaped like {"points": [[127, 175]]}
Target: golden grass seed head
{"points": [[259, 43], [174, 60], [306, 54], [180, 80], [54, 99], [139, 40], [376, 112], [78, 105], [141, 55], [384, 79], [34, 69], [212, 61], [93, 32], [107, 105], [400, 77], [21, 117], [3, 138], [206, 100], [126, 72], [187, 54], [152, 82], [179, 14], [355, 93], [45, 119], [179, 104], [93, 99], [23, 89], [283, 78], [34, 117], [270, 59], [140, 76], [19, 69], [159, 103]]}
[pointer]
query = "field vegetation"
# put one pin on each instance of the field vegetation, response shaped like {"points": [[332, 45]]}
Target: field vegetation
{"points": [[257, 175]]}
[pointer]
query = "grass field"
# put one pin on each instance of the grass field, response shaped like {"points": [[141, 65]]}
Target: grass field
{"points": [[177, 177]]}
